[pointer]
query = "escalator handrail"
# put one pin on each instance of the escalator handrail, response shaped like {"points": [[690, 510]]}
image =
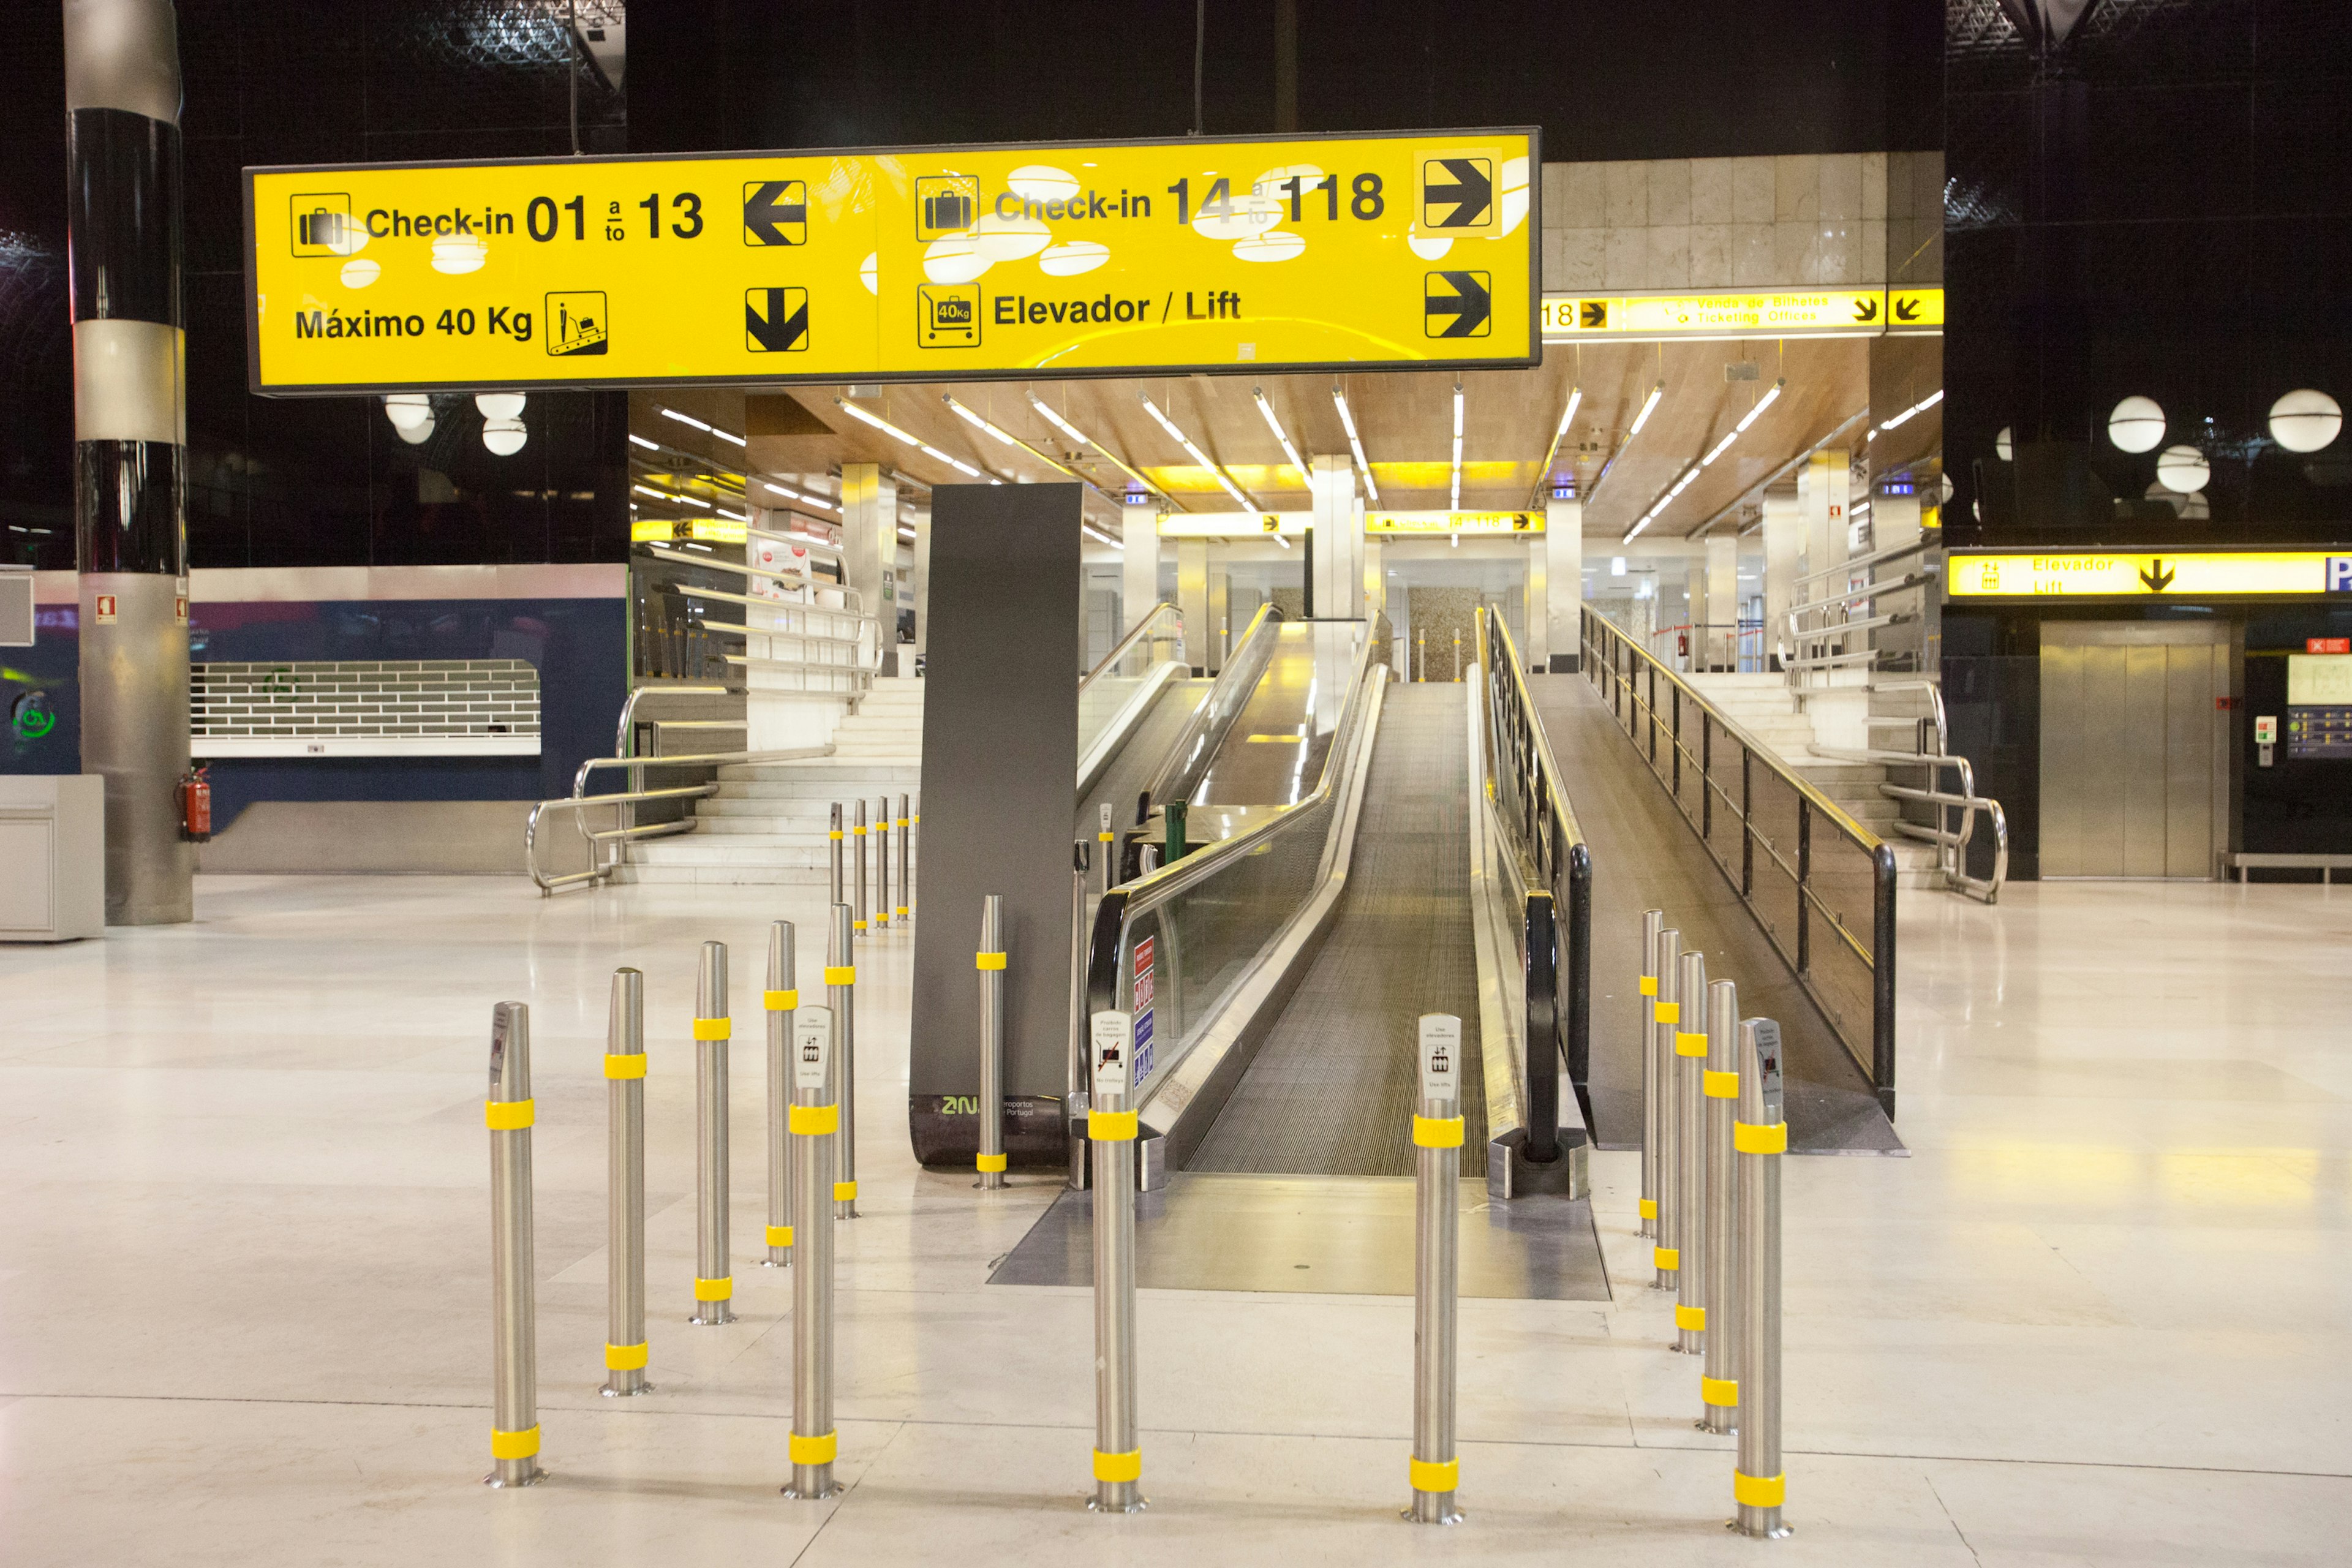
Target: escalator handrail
{"points": [[1122, 905], [1127, 643], [1203, 731]]}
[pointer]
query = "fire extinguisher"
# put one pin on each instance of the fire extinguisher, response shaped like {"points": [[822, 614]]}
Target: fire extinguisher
{"points": [[196, 806], [1682, 644]]}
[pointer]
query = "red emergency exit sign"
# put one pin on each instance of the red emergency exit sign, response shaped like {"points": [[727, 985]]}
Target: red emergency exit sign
{"points": [[2327, 644]]}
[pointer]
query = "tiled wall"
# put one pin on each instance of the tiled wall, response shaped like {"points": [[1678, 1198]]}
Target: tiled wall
{"points": [[1839, 220], [365, 697]]}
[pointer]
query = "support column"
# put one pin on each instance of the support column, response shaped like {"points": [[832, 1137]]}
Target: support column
{"points": [[1563, 551], [1723, 601], [1821, 495], [1139, 563], [1192, 601], [1695, 612], [122, 111], [870, 548], [922, 583], [1339, 540], [1376, 578], [1784, 541], [1220, 618]]}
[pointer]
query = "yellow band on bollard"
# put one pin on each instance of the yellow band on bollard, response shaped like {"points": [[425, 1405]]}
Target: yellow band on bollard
{"points": [[1759, 1492], [917, 818], [814, 1450], [509, 1115], [841, 974], [1649, 1208], [812, 1121], [1759, 1138], [780, 1001], [844, 1191], [1691, 1318], [1111, 1126], [1723, 1392], [1668, 1258], [714, 1029], [714, 1289], [1437, 1131], [857, 925], [1127, 1467], [859, 830], [520, 1445], [625, 1358], [625, 1066], [988, 1161], [1435, 1478], [1670, 1013], [1720, 1085], [988, 961], [900, 823], [780, 1236], [834, 833], [1689, 1044], [1649, 985], [905, 910], [1104, 836]]}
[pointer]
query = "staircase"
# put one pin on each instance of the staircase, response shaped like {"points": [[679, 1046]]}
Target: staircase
{"points": [[767, 825], [1764, 706]]}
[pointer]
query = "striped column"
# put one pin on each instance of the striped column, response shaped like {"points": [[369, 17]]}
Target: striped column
{"points": [[122, 110]]}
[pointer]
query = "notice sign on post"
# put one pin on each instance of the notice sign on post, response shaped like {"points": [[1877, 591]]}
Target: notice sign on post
{"points": [[1392, 250]]}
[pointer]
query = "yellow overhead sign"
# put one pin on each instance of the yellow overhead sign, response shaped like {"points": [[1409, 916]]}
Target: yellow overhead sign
{"points": [[1292, 524], [2184, 576], [1392, 250], [1808, 312]]}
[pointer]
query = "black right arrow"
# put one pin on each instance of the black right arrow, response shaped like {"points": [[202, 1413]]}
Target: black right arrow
{"points": [[1472, 193], [2156, 578], [1470, 304], [765, 210], [1865, 309]]}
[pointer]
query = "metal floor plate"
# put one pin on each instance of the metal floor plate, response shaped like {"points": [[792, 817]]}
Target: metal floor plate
{"points": [[1349, 1236]]}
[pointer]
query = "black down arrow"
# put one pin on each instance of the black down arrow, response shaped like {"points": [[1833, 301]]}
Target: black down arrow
{"points": [[2156, 578], [1472, 193]]}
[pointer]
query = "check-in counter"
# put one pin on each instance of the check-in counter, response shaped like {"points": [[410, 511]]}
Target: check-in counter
{"points": [[52, 856]]}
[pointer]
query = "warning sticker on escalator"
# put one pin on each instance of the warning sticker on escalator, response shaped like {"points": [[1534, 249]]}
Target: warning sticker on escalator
{"points": [[1141, 1008]]}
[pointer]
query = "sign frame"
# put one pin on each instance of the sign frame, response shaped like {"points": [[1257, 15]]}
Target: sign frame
{"points": [[1532, 224], [2147, 575]]}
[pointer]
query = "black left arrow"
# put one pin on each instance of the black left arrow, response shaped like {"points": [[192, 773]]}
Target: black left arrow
{"points": [[1470, 305], [2156, 578], [1472, 193], [766, 211]]}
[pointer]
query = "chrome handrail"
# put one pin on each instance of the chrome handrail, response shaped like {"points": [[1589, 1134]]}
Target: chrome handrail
{"points": [[1205, 728], [689, 760], [1110, 660], [598, 869], [1856, 562]]}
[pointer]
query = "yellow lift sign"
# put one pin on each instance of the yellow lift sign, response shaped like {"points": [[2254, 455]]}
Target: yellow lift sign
{"points": [[1393, 250], [2190, 575], [1295, 524], [1811, 312]]}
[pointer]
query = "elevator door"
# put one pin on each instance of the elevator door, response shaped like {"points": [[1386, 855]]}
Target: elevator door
{"points": [[2133, 764]]}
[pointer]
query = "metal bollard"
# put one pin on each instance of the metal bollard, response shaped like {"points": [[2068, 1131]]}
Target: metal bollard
{"points": [[1436, 1469], [814, 1123], [840, 992], [1652, 923], [1659, 1080], [782, 999], [625, 1071], [882, 864], [1106, 839], [1718, 1385], [514, 1331], [1690, 1158], [1111, 1131], [1761, 1136], [714, 1277], [905, 860], [990, 960], [1073, 1103], [858, 844], [835, 837]]}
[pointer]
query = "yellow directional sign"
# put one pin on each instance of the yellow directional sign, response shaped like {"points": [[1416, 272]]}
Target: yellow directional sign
{"points": [[1815, 313], [2188, 575], [1292, 524], [1390, 250]]}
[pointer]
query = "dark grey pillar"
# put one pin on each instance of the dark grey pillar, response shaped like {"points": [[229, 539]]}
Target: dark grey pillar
{"points": [[1000, 780], [122, 111]]}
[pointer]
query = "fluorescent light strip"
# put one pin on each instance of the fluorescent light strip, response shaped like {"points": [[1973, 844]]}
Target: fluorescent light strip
{"points": [[1720, 448], [1921, 406], [1197, 455], [1543, 469], [957, 463], [731, 516], [1761, 405], [671, 495], [1644, 417], [1082, 439], [640, 440], [970, 416], [1282, 435], [1455, 504], [1663, 501], [1347, 423], [817, 502]]}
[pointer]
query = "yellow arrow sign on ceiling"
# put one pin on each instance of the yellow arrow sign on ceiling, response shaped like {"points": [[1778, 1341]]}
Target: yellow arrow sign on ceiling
{"points": [[2186, 575], [953, 263], [1794, 313]]}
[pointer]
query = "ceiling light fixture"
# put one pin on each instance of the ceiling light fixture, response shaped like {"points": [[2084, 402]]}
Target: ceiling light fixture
{"points": [[1761, 405], [1347, 423], [1197, 455], [1663, 501], [636, 439], [1274, 425], [1455, 504], [1937, 397], [1647, 404], [671, 495], [1082, 439], [1543, 469], [957, 463]]}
